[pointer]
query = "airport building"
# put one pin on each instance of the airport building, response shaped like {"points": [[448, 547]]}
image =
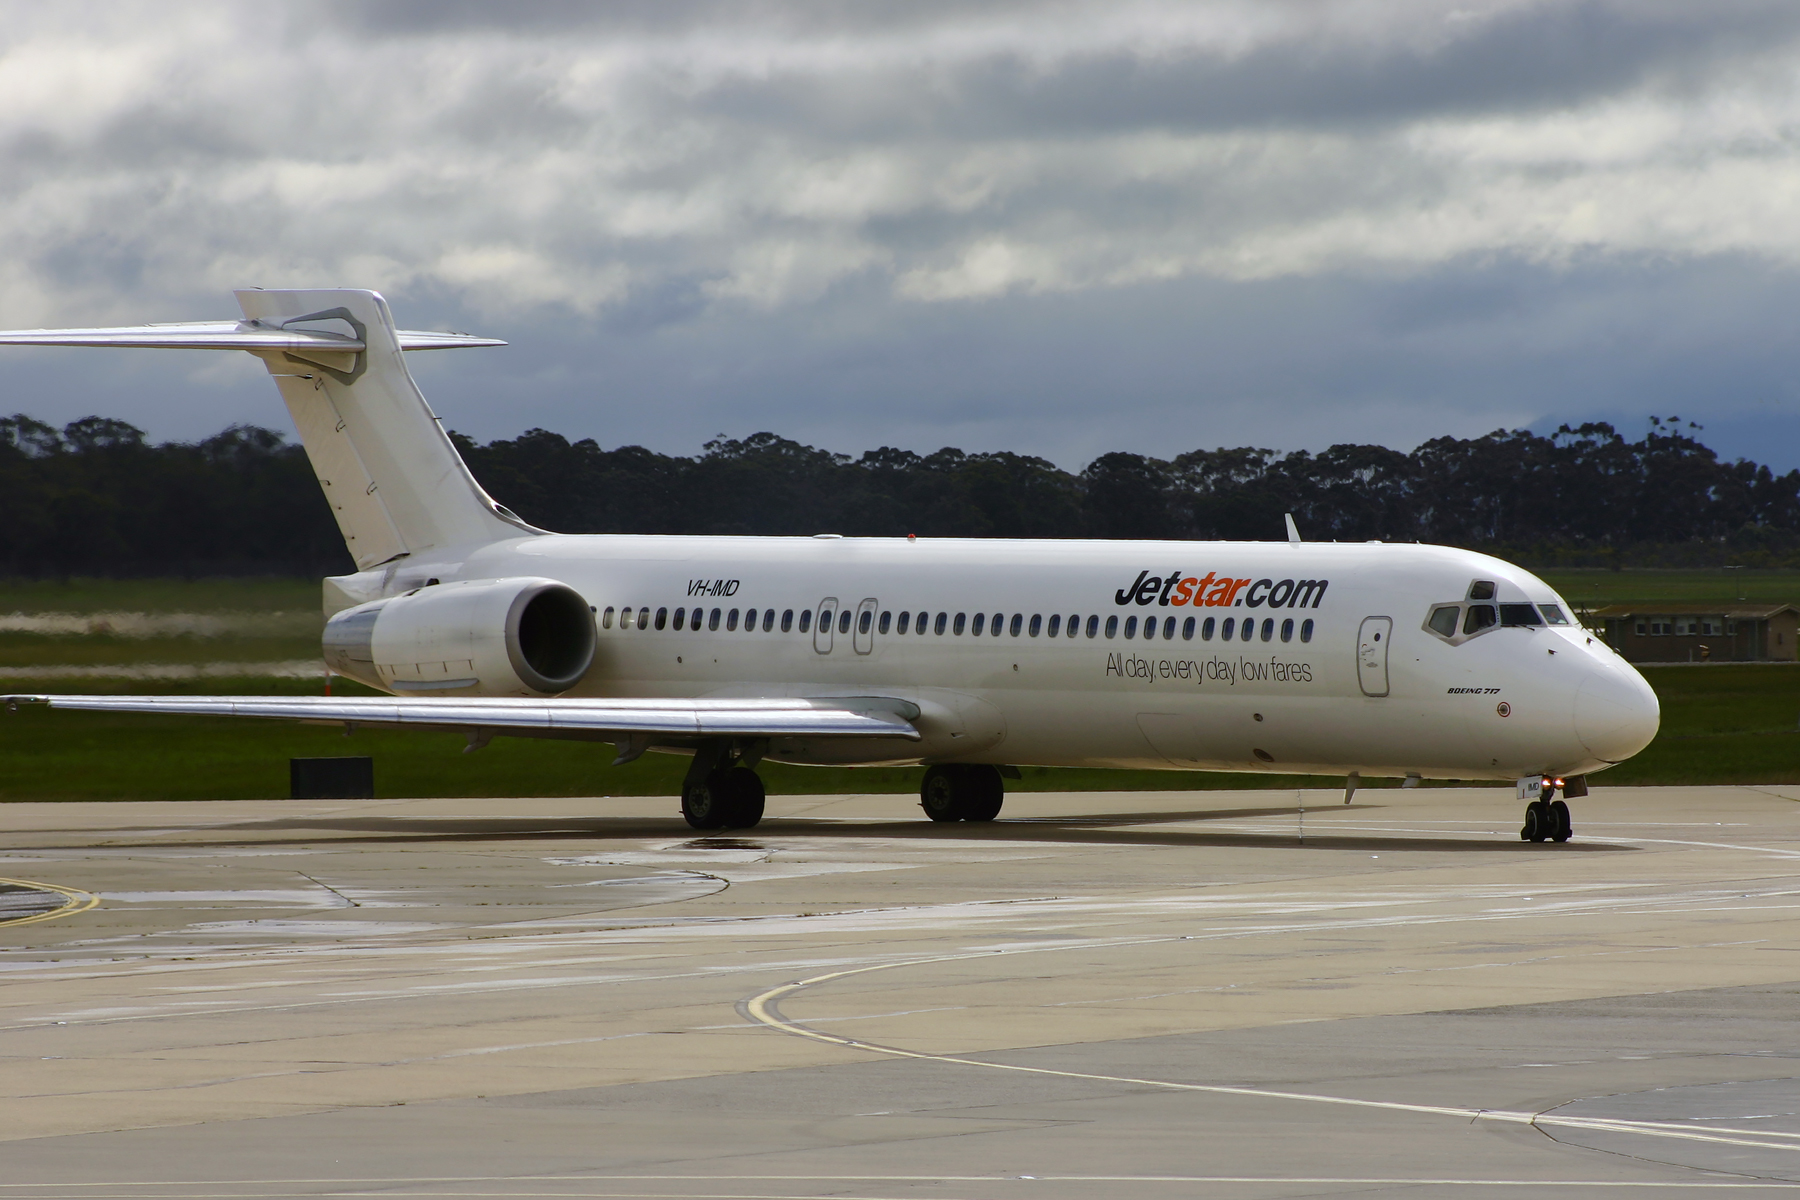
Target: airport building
{"points": [[1672, 633]]}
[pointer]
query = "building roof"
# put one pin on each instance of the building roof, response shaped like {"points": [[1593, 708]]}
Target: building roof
{"points": [[1733, 610]]}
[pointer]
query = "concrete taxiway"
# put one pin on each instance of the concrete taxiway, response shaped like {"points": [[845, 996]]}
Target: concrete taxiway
{"points": [[1146, 994]]}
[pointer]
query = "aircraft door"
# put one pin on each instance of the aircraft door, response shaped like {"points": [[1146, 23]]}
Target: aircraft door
{"points": [[822, 622], [1372, 655], [865, 625]]}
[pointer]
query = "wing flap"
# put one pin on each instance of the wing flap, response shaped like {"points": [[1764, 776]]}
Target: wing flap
{"points": [[752, 717]]}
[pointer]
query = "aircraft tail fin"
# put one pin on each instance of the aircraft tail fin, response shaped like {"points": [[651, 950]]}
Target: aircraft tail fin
{"points": [[393, 478]]}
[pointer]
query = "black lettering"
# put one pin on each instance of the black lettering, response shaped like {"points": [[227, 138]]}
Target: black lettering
{"points": [[1284, 591], [1146, 591], [1309, 589], [1126, 595], [1163, 599], [1254, 600]]}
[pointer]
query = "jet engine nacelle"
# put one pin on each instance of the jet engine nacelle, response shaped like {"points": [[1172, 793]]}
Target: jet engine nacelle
{"points": [[487, 637]]}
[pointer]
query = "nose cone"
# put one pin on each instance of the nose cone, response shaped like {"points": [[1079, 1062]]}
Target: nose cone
{"points": [[1616, 713]]}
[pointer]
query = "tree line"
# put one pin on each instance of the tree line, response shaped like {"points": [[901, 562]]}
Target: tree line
{"points": [[97, 498]]}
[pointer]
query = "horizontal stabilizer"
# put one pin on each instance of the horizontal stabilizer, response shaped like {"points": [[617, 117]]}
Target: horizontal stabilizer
{"points": [[754, 717], [231, 335]]}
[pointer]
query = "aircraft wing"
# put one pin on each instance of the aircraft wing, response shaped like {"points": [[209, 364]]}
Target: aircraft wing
{"points": [[749, 717]]}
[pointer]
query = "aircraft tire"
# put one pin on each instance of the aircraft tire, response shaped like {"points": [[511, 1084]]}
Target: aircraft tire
{"points": [[1559, 815], [1533, 830], [986, 793], [705, 804], [744, 798], [941, 793]]}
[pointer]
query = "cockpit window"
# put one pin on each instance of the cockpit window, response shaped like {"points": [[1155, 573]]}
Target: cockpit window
{"points": [[1481, 616], [1481, 589], [1553, 614], [1443, 620], [1514, 615]]}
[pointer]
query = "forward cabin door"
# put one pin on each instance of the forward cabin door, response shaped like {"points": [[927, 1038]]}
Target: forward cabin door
{"points": [[1372, 654]]}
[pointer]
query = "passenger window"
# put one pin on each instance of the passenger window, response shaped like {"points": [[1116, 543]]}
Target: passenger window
{"points": [[1249, 629], [805, 620], [681, 620], [843, 620], [712, 622], [887, 621], [980, 624], [1112, 626], [1287, 630], [1480, 617], [1515, 615], [643, 618], [905, 620], [1074, 624], [625, 615], [863, 622], [1206, 630], [1037, 624], [1443, 620], [996, 623], [1018, 623], [1055, 625], [662, 617], [769, 620], [750, 621], [1187, 630], [1130, 627], [731, 621], [1094, 625], [606, 618], [1227, 629], [1481, 589], [1268, 629], [1168, 629], [1306, 627]]}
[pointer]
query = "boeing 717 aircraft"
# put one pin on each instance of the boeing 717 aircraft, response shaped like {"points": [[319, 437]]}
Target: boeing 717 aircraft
{"points": [[970, 657]]}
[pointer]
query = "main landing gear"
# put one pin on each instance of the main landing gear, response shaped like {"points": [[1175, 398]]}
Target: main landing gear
{"points": [[962, 792], [1547, 818], [721, 790]]}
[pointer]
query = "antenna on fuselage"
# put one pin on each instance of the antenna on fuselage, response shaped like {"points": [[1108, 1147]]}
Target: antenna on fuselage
{"points": [[1293, 530]]}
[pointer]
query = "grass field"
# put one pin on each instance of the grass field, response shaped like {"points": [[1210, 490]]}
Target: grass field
{"points": [[1721, 723]]}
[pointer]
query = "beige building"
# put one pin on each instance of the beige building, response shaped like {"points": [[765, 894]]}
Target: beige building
{"points": [[1699, 632]]}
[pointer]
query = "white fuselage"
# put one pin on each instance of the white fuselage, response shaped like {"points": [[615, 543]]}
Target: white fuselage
{"points": [[1315, 687]]}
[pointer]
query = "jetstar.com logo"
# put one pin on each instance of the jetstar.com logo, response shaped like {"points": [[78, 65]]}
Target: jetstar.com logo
{"points": [[1221, 591]]}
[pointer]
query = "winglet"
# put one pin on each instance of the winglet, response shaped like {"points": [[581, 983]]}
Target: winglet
{"points": [[1293, 530]]}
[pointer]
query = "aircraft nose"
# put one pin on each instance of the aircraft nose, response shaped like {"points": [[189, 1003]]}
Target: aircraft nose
{"points": [[1616, 713]]}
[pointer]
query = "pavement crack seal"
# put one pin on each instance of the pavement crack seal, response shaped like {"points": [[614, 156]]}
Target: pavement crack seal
{"points": [[764, 1009], [74, 901]]}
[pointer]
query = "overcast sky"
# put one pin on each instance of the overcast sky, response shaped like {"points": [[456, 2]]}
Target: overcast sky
{"points": [[1053, 228]]}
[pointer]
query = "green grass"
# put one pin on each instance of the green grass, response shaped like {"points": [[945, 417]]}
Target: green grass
{"points": [[1597, 588]]}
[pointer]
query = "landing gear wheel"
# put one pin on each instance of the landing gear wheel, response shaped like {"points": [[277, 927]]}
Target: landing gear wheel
{"points": [[940, 795], [962, 792], [730, 799], [1559, 816], [744, 790], [705, 804], [1538, 822]]}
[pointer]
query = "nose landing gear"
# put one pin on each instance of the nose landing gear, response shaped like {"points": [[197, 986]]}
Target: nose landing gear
{"points": [[1546, 818]]}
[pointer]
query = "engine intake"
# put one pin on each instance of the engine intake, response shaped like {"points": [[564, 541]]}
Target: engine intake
{"points": [[488, 637]]}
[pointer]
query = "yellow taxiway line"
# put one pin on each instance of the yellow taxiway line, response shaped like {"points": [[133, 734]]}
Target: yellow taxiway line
{"points": [[74, 901]]}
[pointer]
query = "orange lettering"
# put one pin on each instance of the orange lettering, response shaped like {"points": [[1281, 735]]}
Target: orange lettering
{"points": [[1235, 585], [1184, 591], [1221, 594]]}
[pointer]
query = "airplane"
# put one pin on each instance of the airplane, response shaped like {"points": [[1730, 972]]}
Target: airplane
{"points": [[971, 657]]}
